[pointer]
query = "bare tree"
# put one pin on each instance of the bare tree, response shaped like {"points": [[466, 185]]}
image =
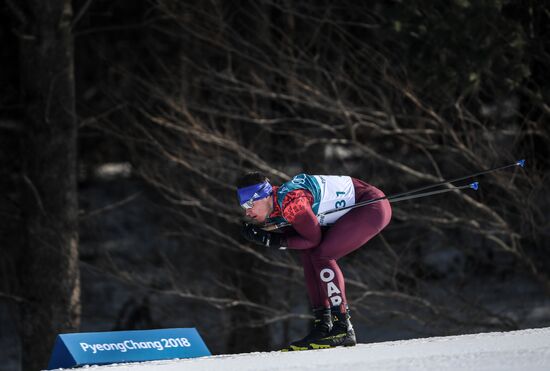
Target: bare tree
{"points": [[48, 270]]}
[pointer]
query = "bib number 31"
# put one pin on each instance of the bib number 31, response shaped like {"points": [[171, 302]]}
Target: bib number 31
{"points": [[342, 203]]}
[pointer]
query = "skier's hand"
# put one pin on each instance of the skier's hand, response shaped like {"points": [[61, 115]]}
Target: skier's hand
{"points": [[260, 237]]}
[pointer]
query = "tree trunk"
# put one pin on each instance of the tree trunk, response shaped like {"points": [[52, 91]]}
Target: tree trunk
{"points": [[48, 264]]}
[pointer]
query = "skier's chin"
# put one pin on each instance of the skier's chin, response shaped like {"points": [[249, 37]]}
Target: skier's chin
{"points": [[257, 221]]}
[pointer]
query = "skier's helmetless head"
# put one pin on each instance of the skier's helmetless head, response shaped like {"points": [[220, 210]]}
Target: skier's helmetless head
{"points": [[255, 196]]}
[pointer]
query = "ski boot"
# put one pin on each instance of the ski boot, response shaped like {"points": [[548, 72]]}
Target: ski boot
{"points": [[321, 329], [341, 334]]}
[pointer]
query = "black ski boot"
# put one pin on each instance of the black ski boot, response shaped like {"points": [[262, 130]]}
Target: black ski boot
{"points": [[341, 335], [321, 328]]}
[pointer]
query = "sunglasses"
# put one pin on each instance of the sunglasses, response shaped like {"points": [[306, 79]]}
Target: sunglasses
{"points": [[248, 204]]}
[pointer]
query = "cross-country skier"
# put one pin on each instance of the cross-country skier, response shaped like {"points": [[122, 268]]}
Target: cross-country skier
{"points": [[299, 202]]}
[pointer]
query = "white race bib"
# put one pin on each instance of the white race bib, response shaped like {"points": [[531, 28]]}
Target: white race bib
{"points": [[336, 192]]}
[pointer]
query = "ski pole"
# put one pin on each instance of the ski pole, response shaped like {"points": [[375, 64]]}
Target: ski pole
{"points": [[520, 163], [402, 197], [474, 186], [408, 195], [423, 188]]}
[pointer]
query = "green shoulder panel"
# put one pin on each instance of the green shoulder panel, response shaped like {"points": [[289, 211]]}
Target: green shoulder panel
{"points": [[301, 181]]}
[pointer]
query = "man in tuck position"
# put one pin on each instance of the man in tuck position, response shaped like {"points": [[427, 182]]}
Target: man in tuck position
{"points": [[301, 202]]}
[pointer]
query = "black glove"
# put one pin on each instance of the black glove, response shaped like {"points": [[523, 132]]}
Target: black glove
{"points": [[260, 237]]}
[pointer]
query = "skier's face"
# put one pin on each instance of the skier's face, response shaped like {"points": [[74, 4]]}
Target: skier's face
{"points": [[260, 210]]}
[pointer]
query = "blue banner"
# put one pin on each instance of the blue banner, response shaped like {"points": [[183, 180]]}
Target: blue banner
{"points": [[93, 348]]}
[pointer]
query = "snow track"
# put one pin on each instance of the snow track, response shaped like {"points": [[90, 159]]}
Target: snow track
{"points": [[516, 350]]}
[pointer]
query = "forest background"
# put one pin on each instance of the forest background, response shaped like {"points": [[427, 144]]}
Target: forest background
{"points": [[124, 125]]}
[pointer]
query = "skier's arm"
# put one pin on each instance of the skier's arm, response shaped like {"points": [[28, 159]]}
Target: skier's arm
{"points": [[297, 210]]}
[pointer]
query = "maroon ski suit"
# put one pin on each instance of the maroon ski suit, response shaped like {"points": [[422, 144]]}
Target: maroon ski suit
{"points": [[321, 248]]}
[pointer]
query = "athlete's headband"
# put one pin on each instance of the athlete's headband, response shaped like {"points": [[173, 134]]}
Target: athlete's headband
{"points": [[249, 194]]}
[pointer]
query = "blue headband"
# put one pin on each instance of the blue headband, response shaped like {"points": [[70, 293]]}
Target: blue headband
{"points": [[254, 192]]}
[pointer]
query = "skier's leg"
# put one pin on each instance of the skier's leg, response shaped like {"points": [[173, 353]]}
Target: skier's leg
{"points": [[349, 233], [324, 279], [310, 276], [322, 323]]}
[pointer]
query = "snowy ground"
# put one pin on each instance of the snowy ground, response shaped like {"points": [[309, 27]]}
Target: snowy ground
{"points": [[517, 350]]}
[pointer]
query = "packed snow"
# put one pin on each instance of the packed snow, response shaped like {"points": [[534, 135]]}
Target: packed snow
{"points": [[516, 350]]}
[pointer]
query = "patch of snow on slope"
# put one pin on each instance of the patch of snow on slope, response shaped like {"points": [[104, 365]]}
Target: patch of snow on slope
{"points": [[516, 350]]}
